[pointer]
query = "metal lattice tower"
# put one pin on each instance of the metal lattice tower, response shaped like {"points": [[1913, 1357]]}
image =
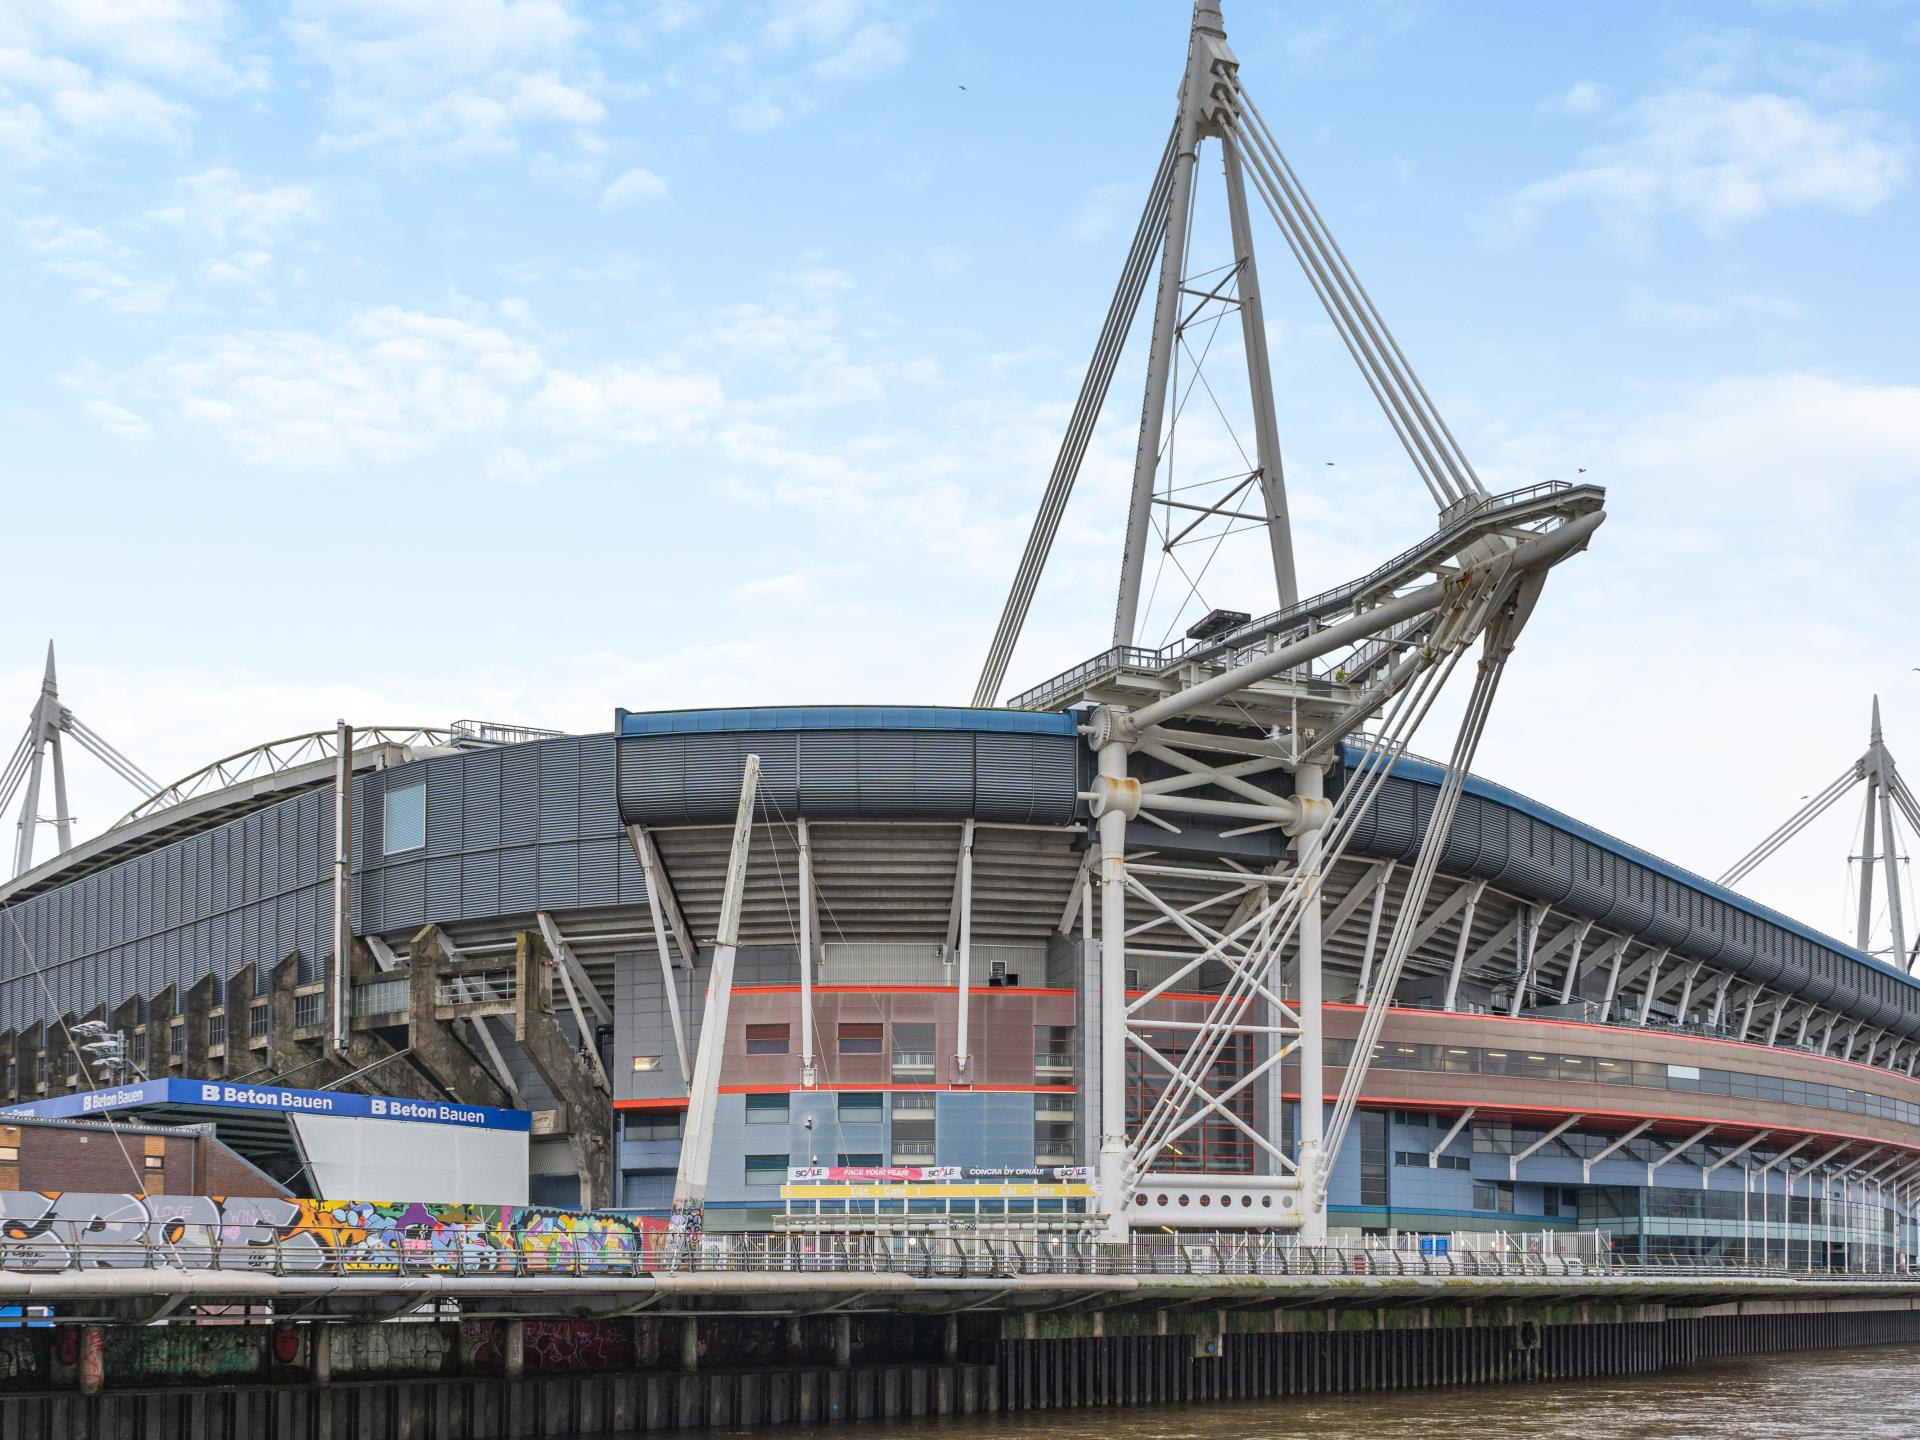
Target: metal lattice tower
{"points": [[1242, 729], [47, 724], [1880, 850]]}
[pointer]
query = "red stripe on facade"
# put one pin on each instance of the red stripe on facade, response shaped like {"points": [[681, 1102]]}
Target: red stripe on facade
{"points": [[899, 990], [1498, 1109], [1659, 1034], [935, 1089], [671, 1102]]}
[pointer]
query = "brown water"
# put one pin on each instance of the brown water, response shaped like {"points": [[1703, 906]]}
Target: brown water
{"points": [[1870, 1394]]}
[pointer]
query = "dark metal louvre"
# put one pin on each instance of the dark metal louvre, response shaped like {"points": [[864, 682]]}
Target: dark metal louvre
{"points": [[1028, 779], [481, 791], [446, 804], [559, 789]]}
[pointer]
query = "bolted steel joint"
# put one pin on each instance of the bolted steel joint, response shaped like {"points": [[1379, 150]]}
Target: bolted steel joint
{"points": [[1313, 814], [1108, 725], [1113, 792]]}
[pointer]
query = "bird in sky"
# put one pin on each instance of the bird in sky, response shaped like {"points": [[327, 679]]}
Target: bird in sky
{"points": [[963, 87], [1581, 469]]}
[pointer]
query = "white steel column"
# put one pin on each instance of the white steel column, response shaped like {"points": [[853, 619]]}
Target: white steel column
{"points": [[688, 1216], [962, 1056], [63, 817], [1111, 1182], [1460, 948], [1253, 335], [341, 1018], [1373, 935], [1309, 783], [669, 988], [1890, 858], [806, 954], [1166, 319], [1865, 933]]}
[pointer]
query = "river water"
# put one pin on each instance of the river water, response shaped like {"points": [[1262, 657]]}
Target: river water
{"points": [[1870, 1394]]}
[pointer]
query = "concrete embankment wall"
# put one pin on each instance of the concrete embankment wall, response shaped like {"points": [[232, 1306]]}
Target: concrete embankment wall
{"points": [[652, 1373]]}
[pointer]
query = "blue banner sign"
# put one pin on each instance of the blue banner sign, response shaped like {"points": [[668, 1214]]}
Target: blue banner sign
{"points": [[232, 1095]]}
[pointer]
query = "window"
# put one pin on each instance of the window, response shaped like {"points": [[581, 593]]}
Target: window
{"points": [[1053, 1054], [860, 1107], [912, 1051], [766, 1169], [1373, 1157], [857, 1159], [9, 1154], [652, 1125], [913, 1129], [862, 1038], [156, 1162], [1053, 1130], [767, 1039], [406, 818], [1417, 1160], [645, 1064], [1495, 1196], [767, 1109]]}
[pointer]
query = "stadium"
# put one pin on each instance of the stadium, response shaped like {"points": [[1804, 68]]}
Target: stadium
{"points": [[1584, 1036], [1187, 937]]}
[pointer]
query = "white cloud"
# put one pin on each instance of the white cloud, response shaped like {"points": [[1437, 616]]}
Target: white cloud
{"points": [[1723, 159], [179, 40], [1105, 208], [220, 208], [118, 420], [799, 54], [449, 76], [75, 71], [1586, 97], [395, 385], [47, 102], [631, 188], [100, 269]]}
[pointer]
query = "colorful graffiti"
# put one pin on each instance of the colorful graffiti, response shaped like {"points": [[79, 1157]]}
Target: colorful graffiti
{"points": [[61, 1230], [551, 1344]]}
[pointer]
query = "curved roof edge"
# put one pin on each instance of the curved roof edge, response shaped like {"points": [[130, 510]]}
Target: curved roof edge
{"points": [[1428, 772], [843, 717]]}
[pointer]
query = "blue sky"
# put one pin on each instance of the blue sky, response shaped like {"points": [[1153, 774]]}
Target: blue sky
{"points": [[425, 359]]}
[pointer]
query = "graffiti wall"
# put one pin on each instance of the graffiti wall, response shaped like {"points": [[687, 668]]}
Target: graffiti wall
{"points": [[59, 1230]]}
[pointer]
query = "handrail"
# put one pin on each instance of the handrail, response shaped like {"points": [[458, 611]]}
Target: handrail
{"points": [[1462, 519], [76, 1245]]}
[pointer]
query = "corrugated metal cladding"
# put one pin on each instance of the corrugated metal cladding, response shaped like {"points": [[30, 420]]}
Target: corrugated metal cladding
{"points": [[257, 888], [509, 830], [1528, 855], [677, 776]]}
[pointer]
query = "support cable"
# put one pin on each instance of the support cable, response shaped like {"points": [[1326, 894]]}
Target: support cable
{"points": [[1147, 240], [1471, 481], [1333, 285], [17, 768], [1793, 825], [1423, 464], [108, 754], [1439, 831]]}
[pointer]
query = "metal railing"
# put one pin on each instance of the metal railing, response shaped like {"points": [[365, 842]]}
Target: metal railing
{"points": [[1458, 520], [492, 987], [381, 997], [615, 1247]]}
